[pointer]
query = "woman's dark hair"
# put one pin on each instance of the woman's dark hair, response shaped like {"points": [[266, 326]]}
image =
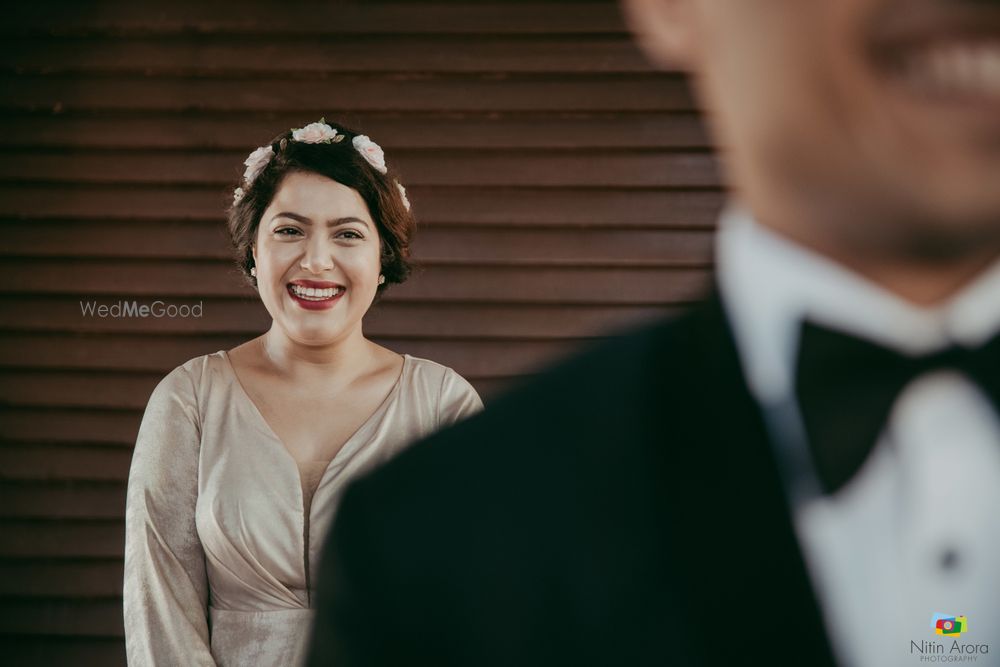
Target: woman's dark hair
{"points": [[340, 161]]}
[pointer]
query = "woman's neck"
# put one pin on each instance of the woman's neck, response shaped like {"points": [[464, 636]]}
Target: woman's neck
{"points": [[296, 361]]}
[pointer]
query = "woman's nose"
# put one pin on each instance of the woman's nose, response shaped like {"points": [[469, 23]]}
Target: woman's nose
{"points": [[318, 256]]}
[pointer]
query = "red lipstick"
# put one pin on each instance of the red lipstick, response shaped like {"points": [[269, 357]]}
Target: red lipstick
{"points": [[315, 294]]}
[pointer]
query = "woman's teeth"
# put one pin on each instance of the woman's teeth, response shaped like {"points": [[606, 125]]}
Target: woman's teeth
{"points": [[315, 294]]}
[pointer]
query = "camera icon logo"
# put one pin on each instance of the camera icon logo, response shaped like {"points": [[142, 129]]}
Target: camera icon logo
{"points": [[949, 625]]}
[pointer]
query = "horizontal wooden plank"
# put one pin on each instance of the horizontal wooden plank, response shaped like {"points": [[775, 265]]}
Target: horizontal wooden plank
{"points": [[334, 19], [77, 651], [241, 132], [434, 244], [120, 17], [348, 93], [62, 500], [38, 388], [164, 279], [603, 169], [230, 320], [183, 282], [45, 461], [395, 323], [156, 238], [61, 579], [675, 246], [23, 539], [62, 425], [111, 352], [557, 207], [200, 54], [90, 618]]}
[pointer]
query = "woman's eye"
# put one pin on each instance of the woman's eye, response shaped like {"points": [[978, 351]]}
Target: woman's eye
{"points": [[286, 231], [350, 234]]}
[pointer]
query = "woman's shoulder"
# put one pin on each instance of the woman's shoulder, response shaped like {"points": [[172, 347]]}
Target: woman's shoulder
{"points": [[454, 393], [193, 377], [426, 370], [198, 367]]}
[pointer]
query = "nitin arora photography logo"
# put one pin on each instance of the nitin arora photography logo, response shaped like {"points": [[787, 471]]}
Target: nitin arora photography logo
{"points": [[949, 628]]}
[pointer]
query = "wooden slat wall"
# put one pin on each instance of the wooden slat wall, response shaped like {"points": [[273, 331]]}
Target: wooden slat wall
{"points": [[564, 189]]}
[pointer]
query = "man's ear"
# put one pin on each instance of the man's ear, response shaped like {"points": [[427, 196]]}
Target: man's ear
{"points": [[665, 29]]}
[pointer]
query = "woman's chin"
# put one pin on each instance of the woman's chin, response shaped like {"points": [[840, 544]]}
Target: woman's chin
{"points": [[313, 329], [316, 335]]}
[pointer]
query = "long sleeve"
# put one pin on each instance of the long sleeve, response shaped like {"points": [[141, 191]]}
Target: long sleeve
{"points": [[165, 586]]}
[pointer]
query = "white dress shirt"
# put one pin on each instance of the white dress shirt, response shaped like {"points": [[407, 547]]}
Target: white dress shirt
{"points": [[917, 530]]}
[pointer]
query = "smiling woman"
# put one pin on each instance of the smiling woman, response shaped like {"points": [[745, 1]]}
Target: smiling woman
{"points": [[242, 454], [294, 258]]}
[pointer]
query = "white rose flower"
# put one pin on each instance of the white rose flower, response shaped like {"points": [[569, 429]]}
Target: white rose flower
{"points": [[238, 195], [314, 133], [402, 194], [370, 151], [256, 162]]}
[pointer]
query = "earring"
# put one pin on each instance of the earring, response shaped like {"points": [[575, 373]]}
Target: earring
{"points": [[253, 271], [381, 280]]}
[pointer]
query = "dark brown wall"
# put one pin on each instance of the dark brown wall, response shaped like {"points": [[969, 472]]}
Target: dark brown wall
{"points": [[564, 189]]}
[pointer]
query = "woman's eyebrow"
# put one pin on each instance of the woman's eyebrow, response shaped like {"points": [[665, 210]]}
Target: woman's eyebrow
{"points": [[329, 223]]}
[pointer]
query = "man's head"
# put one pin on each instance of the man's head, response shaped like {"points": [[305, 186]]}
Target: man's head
{"points": [[869, 124]]}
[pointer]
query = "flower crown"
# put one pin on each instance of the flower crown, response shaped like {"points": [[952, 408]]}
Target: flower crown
{"points": [[316, 133]]}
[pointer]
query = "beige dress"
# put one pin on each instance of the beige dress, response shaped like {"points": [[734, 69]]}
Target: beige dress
{"points": [[220, 552]]}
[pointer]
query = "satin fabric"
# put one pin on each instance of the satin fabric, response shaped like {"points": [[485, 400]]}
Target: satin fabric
{"points": [[215, 547]]}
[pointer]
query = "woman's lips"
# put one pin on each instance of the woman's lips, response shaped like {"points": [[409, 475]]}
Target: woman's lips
{"points": [[312, 298]]}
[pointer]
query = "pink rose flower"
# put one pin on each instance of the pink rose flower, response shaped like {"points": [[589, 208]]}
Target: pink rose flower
{"points": [[370, 151], [256, 163], [314, 133]]}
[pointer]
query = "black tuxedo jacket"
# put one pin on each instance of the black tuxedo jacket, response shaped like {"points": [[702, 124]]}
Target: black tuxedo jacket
{"points": [[622, 509]]}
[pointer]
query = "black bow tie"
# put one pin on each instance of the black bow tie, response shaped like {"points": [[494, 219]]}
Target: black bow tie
{"points": [[846, 387]]}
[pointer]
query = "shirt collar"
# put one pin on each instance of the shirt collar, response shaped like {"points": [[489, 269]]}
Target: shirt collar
{"points": [[770, 284]]}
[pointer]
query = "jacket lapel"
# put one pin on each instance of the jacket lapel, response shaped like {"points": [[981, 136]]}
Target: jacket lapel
{"points": [[742, 571]]}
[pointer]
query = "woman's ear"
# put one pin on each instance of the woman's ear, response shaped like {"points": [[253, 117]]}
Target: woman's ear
{"points": [[665, 29]]}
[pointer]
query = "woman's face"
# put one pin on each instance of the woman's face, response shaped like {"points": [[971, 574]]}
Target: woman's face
{"points": [[317, 255]]}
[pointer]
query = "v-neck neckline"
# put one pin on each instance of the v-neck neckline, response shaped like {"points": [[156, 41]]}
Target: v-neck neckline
{"points": [[348, 443]]}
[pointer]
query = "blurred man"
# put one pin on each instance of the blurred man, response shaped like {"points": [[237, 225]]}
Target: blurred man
{"points": [[803, 470]]}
